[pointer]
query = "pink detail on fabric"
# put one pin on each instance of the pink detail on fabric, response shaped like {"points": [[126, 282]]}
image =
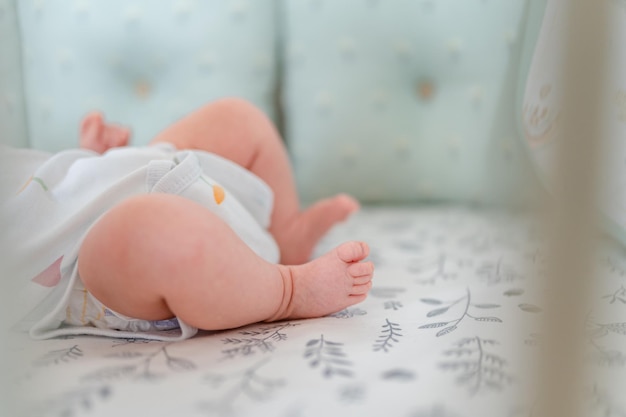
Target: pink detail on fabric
{"points": [[50, 276]]}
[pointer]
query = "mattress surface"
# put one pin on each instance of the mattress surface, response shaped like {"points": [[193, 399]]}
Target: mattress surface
{"points": [[450, 329]]}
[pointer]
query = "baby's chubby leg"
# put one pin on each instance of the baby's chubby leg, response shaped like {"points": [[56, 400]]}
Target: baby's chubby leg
{"points": [[157, 256], [238, 131]]}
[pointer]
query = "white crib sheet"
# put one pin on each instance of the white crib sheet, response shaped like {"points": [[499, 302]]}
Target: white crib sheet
{"points": [[449, 330]]}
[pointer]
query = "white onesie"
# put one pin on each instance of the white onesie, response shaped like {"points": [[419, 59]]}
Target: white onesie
{"points": [[45, 220]]}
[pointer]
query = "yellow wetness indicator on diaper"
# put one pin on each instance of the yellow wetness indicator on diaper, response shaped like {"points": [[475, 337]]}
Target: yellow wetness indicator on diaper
{"points": [[218, 192]]}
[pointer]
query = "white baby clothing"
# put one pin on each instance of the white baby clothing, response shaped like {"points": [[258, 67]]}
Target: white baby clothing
{"points": [[45, 221]]}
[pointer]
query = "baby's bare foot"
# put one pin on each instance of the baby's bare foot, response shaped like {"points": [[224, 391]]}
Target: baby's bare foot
{"points": [[298, 239], [99, 136], [327, 284]]}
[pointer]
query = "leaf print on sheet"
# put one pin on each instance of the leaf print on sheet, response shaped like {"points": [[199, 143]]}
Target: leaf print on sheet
{"points": [[55, 357], [436, 410], [352, 394], [614, 267], [386, 292], [449, 326], [478, 368], [432, 269], [602, 355], [348, 313], [389, 335], [498, 272], [476, 242], [328, 356], [261, 340], [393, 305], [234, 386], [142, 366], [605, 404], [618, 295], [71, 403]]}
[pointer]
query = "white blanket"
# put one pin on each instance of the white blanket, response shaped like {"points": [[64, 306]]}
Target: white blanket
{"points": [[449, 329]]}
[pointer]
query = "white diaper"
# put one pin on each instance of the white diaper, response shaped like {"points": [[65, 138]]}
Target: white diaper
{"points": [[68, 193]]}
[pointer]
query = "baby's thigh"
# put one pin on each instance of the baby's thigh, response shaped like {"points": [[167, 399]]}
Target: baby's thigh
{"points": [[129, 256]]}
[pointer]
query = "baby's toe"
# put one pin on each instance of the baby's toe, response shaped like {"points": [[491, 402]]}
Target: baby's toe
{"points": [[361, 289], [361, 269], [352, 251]]}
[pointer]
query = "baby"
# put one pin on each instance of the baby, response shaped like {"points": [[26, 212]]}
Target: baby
{"points": [[200, 230]]}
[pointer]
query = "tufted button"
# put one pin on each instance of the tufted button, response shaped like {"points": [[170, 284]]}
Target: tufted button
{"points": [[349, 154], [454, 146], [324, 102], [510, 38], [402, 147], [132, 15], [295, 53], [239, 9], [402, 49], [315, 4], [347, 47], [183, 8], [206, 62], [143, 89], [65, 58], [426, 90], [82, 7], [477, 95], [380, 99], [428, 5], [45, 107], [454, 46], [39, 5], [9, 102], [262, 63]]}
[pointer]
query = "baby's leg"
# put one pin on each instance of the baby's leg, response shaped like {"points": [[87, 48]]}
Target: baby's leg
{"points": [[157, 256], [99, 136], [240, 132]]}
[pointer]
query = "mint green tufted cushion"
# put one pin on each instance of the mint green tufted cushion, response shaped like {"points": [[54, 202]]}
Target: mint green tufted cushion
{"points": [[145, 63], [12, 117], [404, 100]]}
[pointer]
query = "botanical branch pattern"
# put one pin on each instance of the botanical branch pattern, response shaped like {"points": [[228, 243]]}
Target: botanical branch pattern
{"points": [[618, 295], [614, 267], [449, 326], [498, 272], [386, 292], [432, 269], [348, 313], [328, 356], [262, 340], [602, 355], [248, 384], [71, 403], [477, 367], [141, 366], [392, 305], [271, 368], [604, 404], [56, 357], [389, 335]]}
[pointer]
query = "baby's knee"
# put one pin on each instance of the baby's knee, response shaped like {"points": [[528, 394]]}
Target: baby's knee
{"points": [[240, 117], [234, 107]]}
